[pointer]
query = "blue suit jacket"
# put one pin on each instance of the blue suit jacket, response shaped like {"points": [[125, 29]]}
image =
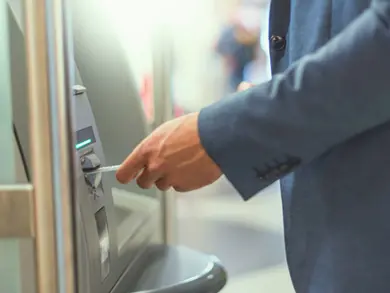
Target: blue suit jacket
{"points": [[323, 124]]}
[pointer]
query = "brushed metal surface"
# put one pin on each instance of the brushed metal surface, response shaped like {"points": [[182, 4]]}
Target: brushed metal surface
{"points": [[16, 211]]}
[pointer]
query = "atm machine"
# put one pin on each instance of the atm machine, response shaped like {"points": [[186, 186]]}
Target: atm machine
{"points": [[121, 246]]}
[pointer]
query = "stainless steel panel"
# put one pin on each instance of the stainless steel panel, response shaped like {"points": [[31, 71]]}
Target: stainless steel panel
{"points": [[51, 143], [16, 211], [163, 100]]}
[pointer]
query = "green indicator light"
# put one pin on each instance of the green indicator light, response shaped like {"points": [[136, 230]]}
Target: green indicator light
{"points": [[83, 143]]}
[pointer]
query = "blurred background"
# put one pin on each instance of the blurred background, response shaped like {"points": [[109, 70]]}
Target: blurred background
{"points": [[216, 45]]}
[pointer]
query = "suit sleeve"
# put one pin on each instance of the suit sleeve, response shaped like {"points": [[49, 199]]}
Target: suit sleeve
{"points": [[260, 135]]}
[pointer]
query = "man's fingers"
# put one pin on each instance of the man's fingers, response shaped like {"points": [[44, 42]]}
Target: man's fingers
{"points": [[148, 177], [244, 86], [133, 164], [163, 184], [181, 189]]}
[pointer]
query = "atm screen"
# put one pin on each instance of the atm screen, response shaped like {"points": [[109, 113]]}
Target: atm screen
{"points": [[85, 137]]}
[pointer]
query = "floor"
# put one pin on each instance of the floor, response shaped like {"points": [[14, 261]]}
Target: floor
{"points": [[246, 236]]}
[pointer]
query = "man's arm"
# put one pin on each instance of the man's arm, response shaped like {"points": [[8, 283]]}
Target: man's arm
{"points": [[259, 135]]}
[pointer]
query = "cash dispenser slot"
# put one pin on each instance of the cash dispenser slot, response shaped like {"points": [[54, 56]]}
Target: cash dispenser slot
{"points": [[104, 242]]}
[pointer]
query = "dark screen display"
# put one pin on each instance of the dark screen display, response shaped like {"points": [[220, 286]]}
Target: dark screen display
{"points": [[85, 137]]}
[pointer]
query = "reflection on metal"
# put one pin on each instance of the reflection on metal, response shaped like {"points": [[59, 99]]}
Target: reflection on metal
{"points": [[16, 211], [162, 85], [51, 144], [79, 90], [162, 75]]}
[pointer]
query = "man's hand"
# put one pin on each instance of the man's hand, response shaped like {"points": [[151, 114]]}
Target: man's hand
{"points": [[244, 86], [172, 156]]}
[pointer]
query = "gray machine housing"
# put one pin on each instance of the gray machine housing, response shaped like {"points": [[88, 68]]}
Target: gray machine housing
{"points": [[120, 247]]}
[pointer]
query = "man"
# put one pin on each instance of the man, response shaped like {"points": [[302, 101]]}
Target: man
{"points": [[238, 41], [322, 124], [237, 54]]}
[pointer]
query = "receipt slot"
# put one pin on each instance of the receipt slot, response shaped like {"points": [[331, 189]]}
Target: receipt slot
{"points": [[120, 243]]}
